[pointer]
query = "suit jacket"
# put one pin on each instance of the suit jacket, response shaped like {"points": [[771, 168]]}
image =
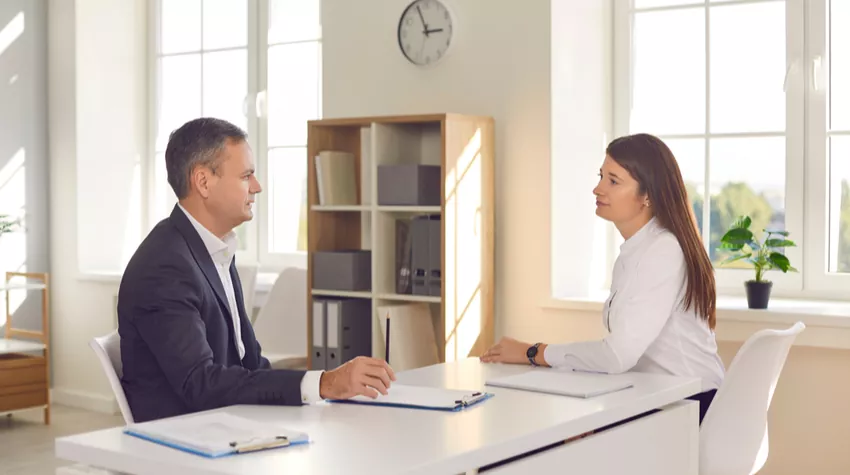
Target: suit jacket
{"points": [[177, 345]]}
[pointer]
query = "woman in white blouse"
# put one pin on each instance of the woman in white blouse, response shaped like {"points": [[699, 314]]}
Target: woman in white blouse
{"points": [[660, 314]]}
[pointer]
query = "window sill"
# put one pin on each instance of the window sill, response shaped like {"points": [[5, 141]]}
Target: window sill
{"points": [[827, 322]]}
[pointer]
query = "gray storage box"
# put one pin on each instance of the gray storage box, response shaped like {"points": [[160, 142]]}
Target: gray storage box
{"points": [[342, 270], [409, 185]]}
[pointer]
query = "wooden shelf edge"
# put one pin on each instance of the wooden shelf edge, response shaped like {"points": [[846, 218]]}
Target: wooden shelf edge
{"points": [[341, 293], [410, 298]]}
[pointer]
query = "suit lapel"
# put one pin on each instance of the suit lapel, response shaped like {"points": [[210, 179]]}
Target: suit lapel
{"points": [[203, 258]]}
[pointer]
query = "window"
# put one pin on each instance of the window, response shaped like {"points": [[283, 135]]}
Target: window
{"points": [[752, 97], [210, 62]]}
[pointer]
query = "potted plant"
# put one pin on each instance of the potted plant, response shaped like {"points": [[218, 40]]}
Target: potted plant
{"points": [[763, 256]]}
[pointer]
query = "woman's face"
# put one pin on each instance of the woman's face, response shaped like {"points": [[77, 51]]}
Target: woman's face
{"points": [[618, 197]]}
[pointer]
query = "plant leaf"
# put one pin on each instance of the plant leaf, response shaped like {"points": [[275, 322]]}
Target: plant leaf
{"points": [[736, 258], [743, 222], [737, 236], [777, 231], [779, 261], [729, 246], [779, 243]]}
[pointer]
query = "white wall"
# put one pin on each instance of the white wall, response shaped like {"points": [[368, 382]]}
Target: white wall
{"points": [[498, 66], [95, 100]]}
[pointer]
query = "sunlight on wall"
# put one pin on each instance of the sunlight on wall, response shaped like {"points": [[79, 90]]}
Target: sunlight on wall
{"points": [[11, 32], [13, 246], [463, 244]]}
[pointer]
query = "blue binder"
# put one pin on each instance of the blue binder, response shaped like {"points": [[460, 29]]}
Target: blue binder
{"points": [[422, 397], [216, 434]]}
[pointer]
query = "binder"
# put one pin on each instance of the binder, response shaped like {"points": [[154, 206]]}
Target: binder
{"points": [[216, 434], [349, 330], [403, 257], [422, 397], [435, 274], [318, 358], [564, 383], [419, 229]]}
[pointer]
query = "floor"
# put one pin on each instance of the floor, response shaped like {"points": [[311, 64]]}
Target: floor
{"points": [[26, 444]]}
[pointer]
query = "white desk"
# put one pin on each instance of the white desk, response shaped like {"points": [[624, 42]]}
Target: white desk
{"points": [[356, 439]]}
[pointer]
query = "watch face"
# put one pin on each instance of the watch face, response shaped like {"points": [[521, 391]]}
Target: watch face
{"points": [[532, 352], [425, 31]]}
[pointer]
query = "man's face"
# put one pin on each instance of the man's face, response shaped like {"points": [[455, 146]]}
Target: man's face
{"points": [[232, 188]]}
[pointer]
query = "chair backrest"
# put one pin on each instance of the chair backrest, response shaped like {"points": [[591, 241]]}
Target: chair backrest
{"points": [[281, 325], [733, 434], [248, 278], [108, 351]]}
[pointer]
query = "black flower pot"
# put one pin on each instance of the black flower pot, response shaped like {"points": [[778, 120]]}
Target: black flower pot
{"points": [[758, 293]]}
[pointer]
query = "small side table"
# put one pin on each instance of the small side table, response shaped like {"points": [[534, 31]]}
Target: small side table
{"points": [[25, 374]]}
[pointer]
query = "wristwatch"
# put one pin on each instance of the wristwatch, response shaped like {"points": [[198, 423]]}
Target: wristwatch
{"points": [[531, 353]]}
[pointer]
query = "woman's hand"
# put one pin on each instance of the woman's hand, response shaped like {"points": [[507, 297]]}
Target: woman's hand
{"points": [[507, 350]]}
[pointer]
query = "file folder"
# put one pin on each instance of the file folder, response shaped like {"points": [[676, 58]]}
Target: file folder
{"points": [[420, 264], [422, 397], [216, 434], [318, 358], [435, 257], [564, 383], [349, 330]]}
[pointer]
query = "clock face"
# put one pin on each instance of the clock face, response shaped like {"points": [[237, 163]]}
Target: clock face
{"points": [[425, 31]]}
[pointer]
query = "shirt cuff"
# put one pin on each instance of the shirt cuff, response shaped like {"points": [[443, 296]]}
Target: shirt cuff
{"points": [[310, 387]]}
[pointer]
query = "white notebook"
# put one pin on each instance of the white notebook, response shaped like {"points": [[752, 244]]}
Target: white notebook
{"points": [[565, 383], [422, 397], [215, 434]]}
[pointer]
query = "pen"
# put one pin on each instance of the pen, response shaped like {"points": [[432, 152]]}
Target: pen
{"points": [[279, 441]]}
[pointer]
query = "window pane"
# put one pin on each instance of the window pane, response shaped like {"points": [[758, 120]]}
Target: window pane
{"points": [[287, 213], [839, 50], [839, 204], [294, 20], [690, 155], [180, 95], [180, 26], [293, 94], [164, 197], [747, 178], [669, 76], [748, 68], [226, 85], [225, 23]]}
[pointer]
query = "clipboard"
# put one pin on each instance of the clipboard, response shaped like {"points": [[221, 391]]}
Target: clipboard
{"points": [[216, 435], [422, 397]]}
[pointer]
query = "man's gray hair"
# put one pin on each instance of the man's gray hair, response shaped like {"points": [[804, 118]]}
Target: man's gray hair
{"points": [[197, 142]]}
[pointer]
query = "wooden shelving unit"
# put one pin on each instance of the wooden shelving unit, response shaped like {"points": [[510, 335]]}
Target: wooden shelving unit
{"points": [[24, 363], [463, 146]]}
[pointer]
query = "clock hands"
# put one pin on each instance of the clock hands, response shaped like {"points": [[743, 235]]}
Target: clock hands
{"points": [[424, 25], [427, 32]]}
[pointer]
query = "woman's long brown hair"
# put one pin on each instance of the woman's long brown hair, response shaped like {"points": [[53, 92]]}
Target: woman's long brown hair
{"points": [[653, 165]]}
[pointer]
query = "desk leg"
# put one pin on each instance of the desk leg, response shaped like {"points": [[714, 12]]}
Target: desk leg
{"points": [[663, 443]]}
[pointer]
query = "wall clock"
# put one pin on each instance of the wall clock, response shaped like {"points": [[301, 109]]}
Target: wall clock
{"points": [[425, 31]]}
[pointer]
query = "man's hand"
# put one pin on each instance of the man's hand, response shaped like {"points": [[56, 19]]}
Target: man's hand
{"points": [[361, 376]]}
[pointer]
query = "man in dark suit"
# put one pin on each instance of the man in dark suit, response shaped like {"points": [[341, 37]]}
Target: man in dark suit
{"points": [[186, 342]]}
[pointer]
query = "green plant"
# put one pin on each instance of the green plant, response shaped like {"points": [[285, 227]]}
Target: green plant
{"points": [[763, 255], [7, 225]]}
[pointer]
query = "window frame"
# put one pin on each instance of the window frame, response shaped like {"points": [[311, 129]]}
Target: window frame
{"points": [[257, 245], [807, 162]]}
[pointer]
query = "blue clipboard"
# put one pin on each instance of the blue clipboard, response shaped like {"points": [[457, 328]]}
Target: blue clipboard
{"points": [[420, 397]]}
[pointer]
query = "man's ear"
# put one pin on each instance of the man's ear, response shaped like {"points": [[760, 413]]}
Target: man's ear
{"points": [[201, 181]]}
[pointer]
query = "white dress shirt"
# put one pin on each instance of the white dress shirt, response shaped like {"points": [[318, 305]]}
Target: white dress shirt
{"points": [[222, 253], [649, 330]]}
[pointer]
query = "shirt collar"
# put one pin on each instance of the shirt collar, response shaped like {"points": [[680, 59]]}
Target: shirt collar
{"points": [[221, 251], [634, 241]]}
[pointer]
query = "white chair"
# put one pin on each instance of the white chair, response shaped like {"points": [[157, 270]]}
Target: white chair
{"points": [[281, 324], [248, 278], [108, 351], [733, 434]]}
